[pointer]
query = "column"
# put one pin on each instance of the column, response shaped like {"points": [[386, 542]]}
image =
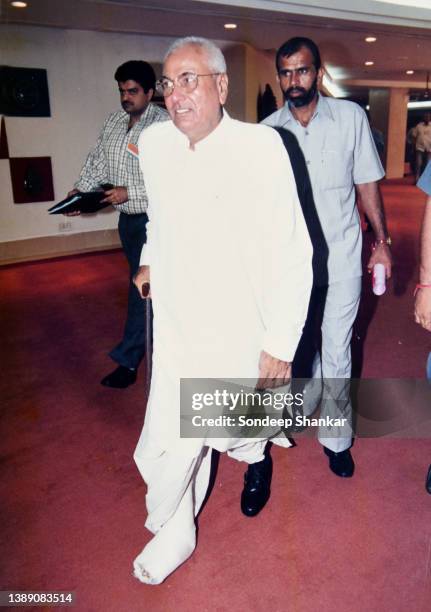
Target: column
{"points": [[388, 113]]}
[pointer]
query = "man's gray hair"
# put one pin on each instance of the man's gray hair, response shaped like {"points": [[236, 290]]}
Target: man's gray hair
{"points": [[216, 61]]}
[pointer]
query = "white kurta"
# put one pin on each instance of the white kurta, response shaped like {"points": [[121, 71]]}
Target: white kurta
{"points": [[230, 263]]}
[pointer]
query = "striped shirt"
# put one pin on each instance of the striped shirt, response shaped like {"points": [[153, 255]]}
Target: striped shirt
{"points": [[114, 159]]}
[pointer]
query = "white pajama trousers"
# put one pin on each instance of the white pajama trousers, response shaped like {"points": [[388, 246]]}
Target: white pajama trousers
{"points": [[341, 308], [176, 488]]}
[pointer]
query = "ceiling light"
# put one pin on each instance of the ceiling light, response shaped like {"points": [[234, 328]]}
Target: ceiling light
{"points": [[230, 26], [19, 4], [332, 87], [406, 3], [423, 104], [369, 63], [370, 39], [410, 71]]}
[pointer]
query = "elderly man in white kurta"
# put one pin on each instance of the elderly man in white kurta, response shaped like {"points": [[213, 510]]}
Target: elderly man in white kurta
{"points": [[230, 263]]}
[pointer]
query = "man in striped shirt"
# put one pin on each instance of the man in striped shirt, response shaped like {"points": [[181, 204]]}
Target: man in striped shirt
{"points": [[114, 161]]}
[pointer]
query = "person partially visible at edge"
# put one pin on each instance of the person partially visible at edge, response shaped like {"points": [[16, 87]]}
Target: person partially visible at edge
{"points": [[423, 288], [422, 139], [114, 161], [341, 158], [227, 249]]}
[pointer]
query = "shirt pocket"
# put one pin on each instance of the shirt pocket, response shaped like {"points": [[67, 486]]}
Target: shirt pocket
{"points": [[336, 168]]}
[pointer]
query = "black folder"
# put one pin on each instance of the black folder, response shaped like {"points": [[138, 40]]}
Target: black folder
{"points": [[84, 202]]}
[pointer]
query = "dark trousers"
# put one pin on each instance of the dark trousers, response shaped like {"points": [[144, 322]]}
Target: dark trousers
{"points": [[130, 351]]}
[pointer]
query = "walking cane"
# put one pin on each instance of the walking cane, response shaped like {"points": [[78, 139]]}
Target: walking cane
{"points": [[148, 338]]}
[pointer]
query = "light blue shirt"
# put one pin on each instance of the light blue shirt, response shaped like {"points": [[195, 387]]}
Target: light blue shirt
{"points": [[340, 153], [424, 182]]}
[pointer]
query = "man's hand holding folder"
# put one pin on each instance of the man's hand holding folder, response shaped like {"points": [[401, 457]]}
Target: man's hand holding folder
{"points": [[116, 195], [78, 202]]}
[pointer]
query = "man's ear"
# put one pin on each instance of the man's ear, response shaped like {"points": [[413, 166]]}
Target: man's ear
{"points": [[320, 74], [223, 86], [150, 94]]}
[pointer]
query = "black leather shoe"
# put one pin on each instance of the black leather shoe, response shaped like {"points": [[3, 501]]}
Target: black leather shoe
{"points": [[428, 481], [257, 486], [120, 378], [340, 463]]}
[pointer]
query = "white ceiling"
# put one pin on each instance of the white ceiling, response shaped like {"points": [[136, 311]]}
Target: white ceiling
{"points": [[338, 26]]}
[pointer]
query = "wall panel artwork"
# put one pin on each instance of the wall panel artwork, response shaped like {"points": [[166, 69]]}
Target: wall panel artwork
{"points": [[31, 179], [4, 147], [24, 92]]}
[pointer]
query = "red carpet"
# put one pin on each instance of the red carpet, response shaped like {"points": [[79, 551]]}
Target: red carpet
{"points": [[73, 502]]}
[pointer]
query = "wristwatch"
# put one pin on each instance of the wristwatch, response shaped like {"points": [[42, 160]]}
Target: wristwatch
{"points": [[386, 240]]}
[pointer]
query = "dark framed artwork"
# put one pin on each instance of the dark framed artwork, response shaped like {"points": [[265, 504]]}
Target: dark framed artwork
{"points": [[4, 147], [24, 92], [31, 179]]}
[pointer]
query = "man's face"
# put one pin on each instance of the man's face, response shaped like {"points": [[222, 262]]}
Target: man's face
{"points": [[134, 100], [195, 113], [299, 78]]}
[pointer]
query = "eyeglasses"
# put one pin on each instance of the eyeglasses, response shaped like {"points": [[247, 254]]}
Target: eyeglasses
{"points": [[187, 81]]}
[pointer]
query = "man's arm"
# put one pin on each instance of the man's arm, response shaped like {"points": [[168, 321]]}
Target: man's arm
{"points": [[116, 195], [372, 205], [95, 169], [287, 274], [94, 172], [137, 196], [423, 295]]}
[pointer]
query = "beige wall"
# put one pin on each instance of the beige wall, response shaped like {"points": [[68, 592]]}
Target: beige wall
{"points": [[260, 70], [249, 71], [379, 110], [82, 90], [236, 61]]}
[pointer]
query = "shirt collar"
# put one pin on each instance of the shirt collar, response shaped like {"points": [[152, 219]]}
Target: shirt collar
{"points": [[322, 109], [146, 112]]}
